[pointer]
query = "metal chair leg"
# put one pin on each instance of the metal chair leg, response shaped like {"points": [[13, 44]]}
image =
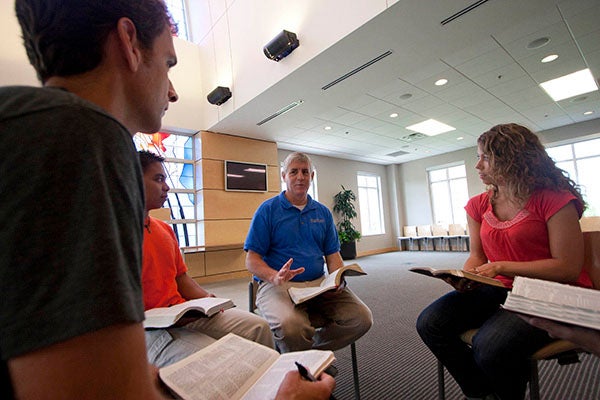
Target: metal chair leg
{"points": [[534, 384], [355, 371], [441, 383]]}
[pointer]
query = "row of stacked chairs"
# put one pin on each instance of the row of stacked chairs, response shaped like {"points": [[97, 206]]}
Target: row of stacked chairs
{"points": [[455, 237]]}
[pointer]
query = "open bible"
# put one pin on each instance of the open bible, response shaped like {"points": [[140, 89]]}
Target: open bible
{"points": [[456, 274], [237, 368], [331, 281], [163, 317], [556, 301]]}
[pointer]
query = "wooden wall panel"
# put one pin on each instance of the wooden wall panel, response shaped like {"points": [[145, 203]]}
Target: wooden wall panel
{"points": [[224, 217], [219, 204], [195, 263], [219, 262], [225, 232], [226, 147], [212, 173], [274, 179], [163, 214]]}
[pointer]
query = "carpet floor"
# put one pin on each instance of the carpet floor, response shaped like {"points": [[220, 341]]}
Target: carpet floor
{"points": [[395, 364]]}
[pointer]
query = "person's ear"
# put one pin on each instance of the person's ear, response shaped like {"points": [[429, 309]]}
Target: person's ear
{"points": [[129, 43]]}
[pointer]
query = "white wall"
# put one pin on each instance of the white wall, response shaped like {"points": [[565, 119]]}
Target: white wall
{"points": [[231, 36], [14, 64], [334, 172], [415, 201]]}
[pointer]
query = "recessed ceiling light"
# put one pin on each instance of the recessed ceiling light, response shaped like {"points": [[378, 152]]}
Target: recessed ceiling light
{"points": [[460, 138], [405, 96], [431, 127], [570, 85], [549, 58], [537, 43], [394, 115], [588, 113], [327, 128], [441, 82]]}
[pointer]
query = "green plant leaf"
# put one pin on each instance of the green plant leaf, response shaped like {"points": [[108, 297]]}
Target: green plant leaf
{"points": [[343, 205]]}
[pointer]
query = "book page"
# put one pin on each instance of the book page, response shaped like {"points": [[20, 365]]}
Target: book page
{"points": [[266, 388], [329, 282], [224, 370], [558, 293], [308, 290], [163, 317]]}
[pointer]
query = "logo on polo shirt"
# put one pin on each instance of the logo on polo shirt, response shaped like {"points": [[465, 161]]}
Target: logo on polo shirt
{"points": [[317, 220]]}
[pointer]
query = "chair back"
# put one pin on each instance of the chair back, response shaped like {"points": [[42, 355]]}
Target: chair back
{"points": [[252, 289], [410, 231], [438, 230], [456, 230], [591, 261], [424, 230], [589, 224]]}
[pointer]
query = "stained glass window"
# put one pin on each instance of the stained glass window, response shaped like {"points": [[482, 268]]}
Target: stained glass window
{"points": [[178, 153]]}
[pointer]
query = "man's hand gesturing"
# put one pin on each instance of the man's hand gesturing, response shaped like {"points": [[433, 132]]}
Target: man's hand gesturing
{"points": [[285, 273]]}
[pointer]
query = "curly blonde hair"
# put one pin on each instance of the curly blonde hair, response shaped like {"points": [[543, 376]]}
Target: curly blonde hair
{"points": [[519, 160]]}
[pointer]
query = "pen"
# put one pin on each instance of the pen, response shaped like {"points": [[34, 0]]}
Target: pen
{"points": [[305, 373]]}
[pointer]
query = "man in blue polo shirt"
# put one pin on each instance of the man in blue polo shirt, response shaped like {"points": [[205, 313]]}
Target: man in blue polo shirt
{"points": [[288, 238]]}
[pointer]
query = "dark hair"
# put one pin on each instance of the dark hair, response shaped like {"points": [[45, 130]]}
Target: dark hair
{"points": [[67, 37], [519, 160], [148, 158]]}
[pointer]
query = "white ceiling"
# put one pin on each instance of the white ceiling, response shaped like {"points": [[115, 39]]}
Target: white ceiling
{"points": [[493, 78]]}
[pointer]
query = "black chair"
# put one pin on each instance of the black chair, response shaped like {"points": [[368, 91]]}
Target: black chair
{"points": [[253, 287]]}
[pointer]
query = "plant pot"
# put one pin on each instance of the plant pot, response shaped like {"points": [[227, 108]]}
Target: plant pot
{"points": [[348, 250]]}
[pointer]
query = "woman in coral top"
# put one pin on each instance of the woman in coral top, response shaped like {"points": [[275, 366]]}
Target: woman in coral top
{"points": [[527, 224]]}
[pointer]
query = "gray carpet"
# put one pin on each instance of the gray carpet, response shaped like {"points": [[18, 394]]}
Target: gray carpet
{"points": [[392, 360]]}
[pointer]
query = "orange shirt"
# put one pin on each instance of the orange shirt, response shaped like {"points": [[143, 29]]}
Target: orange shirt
{"points": [[161, 264]]}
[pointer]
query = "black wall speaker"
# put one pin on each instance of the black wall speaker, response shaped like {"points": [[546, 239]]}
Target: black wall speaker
{"points": [[219, 96], [282, 45]]}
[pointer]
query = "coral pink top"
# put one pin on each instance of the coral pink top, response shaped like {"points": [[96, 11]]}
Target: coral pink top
{"points": [[525, 237]]}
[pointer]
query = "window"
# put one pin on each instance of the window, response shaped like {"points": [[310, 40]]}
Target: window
{"points": [[178, 153], [449, 194], [581, 161], [179, 14], [312, 190], [370, 204]]}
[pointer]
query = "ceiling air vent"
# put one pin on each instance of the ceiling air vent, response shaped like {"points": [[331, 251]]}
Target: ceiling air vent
{"points": [[463, 12], [280, 112], [398, 153], [355, 70], [412, 137]]}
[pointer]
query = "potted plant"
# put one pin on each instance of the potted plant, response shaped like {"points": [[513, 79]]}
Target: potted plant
{"points": [[343, 205]]}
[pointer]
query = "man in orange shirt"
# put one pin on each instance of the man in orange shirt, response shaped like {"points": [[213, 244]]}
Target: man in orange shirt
{"points": [[165, 283]]}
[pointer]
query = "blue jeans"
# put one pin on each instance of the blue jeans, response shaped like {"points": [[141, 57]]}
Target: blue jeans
{"points": [[498, 360]]}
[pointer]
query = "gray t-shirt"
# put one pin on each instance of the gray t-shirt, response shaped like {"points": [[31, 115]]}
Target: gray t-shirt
{"points": [[71, 220]]}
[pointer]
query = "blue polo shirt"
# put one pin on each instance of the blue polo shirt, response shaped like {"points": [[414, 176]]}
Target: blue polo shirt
{"points": [[279, 231]]}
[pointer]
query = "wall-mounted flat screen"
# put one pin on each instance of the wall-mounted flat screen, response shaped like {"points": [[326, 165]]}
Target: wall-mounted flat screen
{"points": [[246, 177]]}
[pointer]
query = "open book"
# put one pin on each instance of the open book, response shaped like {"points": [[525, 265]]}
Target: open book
{"points": [[331, 281], [163, 317], [237, 368], [556, 301], [456, 274]]}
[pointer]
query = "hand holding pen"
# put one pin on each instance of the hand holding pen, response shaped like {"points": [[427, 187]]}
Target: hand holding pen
{"points": [[296, 387], [306, 375]]}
